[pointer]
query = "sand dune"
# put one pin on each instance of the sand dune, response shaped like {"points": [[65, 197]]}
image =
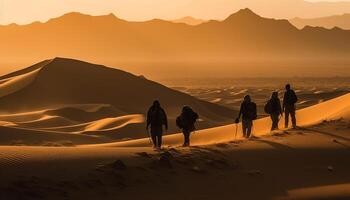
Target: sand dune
{"points": [[340, 191], [57, 122], [13, 84], [290, 166], [309, 163], [332, 109], [65, 96], [61, 82]]}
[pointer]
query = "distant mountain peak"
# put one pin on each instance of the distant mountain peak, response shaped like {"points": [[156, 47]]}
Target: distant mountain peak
{"points": [[77, 16], [242, 14]]}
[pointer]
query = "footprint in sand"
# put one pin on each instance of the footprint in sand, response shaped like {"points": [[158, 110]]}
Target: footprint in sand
{"points": [[197, 170], [144, 155], [222, 145], [219, 163], [119, 165]]}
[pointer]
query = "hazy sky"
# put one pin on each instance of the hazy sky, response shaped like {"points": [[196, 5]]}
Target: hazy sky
{"points": [[26, 11]]}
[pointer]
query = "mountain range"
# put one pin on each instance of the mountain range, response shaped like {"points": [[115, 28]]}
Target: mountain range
{"points": [[190, 21], [281, 9], [340, 21], [201, 9], [244, 44]]}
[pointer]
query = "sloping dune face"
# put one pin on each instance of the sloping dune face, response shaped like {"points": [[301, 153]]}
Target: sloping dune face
{"points": [[66, 81], [16, 81], [329, 110], [74, 97]]}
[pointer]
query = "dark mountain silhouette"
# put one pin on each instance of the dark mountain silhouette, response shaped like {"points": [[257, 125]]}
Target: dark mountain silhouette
{"points": [[163, 48], [340, 21]]}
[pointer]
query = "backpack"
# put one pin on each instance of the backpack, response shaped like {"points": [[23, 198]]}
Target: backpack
{"points": [[179, 122], [193, 118], [249, 111], [268, 107], [187, 119]]}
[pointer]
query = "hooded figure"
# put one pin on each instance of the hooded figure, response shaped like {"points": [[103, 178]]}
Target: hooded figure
{"points": [[273, 107], [156, 119], [248, 113], [289, 101], [186, 121]]}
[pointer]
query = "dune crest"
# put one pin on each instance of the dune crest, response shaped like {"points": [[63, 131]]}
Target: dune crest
{"points": [[329, 110], [67, 96]]}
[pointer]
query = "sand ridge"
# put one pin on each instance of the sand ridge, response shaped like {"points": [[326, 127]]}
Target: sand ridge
{"points": [[333, 109]]}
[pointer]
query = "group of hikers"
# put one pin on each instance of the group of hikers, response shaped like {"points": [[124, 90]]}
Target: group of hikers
{"points": [[157, 118]]}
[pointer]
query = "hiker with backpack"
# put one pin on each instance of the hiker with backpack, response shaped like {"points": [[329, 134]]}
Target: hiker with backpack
{"points": [[274, 109], [156, 119], [186, 121], [289, 101], [249, 113]]}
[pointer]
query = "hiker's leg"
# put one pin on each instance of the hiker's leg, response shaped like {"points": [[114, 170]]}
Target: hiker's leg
{"points": [[294, 120], [186, 137], [244, 128], [189, 138], [286, 117], [154, 139], [273, 122], [277, 121], [249, 128], [160, 141]]}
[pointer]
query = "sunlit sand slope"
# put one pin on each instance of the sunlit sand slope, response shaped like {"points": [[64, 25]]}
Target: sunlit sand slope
{"points": [[333, 109], [61, 82], [65, 124]]}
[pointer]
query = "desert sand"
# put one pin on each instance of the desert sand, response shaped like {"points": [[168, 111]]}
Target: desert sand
{"points": [[64, 102], [311, 162]]}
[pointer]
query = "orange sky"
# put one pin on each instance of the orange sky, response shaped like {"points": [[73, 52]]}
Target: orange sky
{"points": [[20, 11]]}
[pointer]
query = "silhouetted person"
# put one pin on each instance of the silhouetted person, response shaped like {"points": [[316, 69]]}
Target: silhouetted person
{"points": [[186, 121], [248, 113], [273, 107], [156, 118], [289, 101]]}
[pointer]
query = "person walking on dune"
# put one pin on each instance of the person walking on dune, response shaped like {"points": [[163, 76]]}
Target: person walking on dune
{"points": [[186, 121], [289, 101], [249, 113], [274, 109], [156, 119]]}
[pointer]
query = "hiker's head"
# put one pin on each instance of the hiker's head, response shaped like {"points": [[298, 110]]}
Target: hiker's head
{"points": [[186, 109], [247, 98], [156, 104], [274, 95], [288, 87]]}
